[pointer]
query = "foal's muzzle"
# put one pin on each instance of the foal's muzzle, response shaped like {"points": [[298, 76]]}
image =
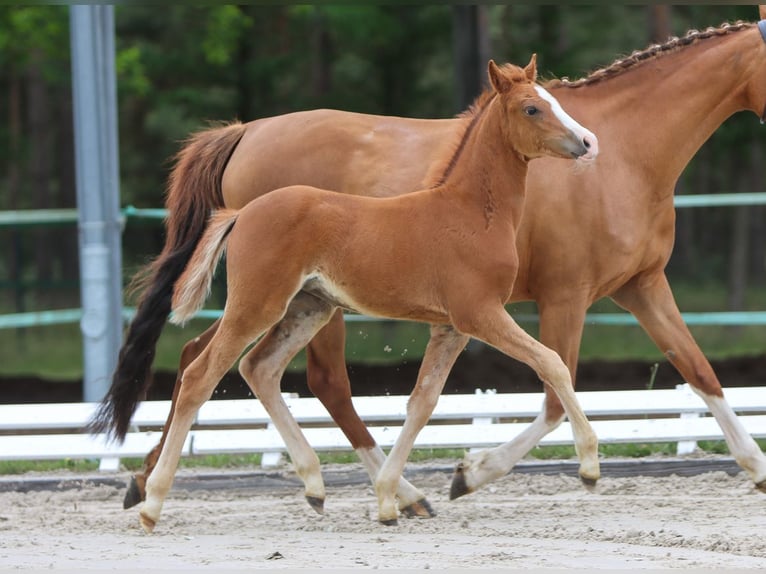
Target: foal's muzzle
{"points": [[583, 148]]}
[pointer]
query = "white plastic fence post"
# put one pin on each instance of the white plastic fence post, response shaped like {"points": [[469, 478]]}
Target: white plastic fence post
{"points": [[482, 420], [271, 459], [686, 446], [275, 458], [109, 464]]}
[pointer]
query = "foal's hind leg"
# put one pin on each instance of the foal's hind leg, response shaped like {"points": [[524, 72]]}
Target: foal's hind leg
{"points": [[199, 381], [650, 299], [328, 380], [263, 368], [137, 489], [494, 326]]}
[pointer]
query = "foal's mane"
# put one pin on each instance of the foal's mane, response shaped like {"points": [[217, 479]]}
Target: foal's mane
{"points": [[441, 169], [653, 52]]}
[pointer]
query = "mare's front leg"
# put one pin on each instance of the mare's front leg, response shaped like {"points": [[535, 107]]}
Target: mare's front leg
{"points": [[650, 299], [492, 324], [328, 380], [561, 326], [263, 368], [136, 492], [441, 352]]}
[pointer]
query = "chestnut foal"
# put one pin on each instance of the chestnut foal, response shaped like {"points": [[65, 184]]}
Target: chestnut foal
{"points": [[445, 255]]}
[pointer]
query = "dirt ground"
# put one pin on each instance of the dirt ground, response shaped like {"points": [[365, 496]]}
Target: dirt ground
{"points": [[523, 521]]}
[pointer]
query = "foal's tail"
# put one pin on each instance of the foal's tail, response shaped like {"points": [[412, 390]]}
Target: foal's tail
{"points": [[194, 191], [193, 287]]}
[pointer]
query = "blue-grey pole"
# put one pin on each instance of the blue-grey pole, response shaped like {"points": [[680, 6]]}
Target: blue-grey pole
{"points": [[95, 123]]}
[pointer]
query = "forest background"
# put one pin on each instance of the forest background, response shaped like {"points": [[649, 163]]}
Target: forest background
{"points": [[180, 67]]}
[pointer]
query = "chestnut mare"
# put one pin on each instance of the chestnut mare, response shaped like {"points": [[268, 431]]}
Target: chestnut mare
{"points": [[445, 255], [610, 234]]}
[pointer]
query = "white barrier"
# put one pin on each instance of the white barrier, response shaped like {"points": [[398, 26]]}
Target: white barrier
{"points": [[54, 431]]}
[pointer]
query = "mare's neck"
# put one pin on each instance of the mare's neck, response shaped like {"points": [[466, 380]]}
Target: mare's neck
{"points": [[487, 177], [660, 113]]}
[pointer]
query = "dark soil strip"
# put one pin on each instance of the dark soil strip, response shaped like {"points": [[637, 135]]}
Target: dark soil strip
{"points": [[270, 480]]}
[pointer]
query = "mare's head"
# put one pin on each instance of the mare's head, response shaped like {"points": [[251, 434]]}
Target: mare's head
{"points": [[534, 123]]}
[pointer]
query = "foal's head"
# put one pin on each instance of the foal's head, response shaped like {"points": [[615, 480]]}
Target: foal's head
{"points": [[534, 123]]}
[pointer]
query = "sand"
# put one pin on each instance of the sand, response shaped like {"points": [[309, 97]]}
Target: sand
{"points": [[522, 521]]}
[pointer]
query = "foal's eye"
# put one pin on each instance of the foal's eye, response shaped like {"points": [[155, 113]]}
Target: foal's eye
{"points": [[530, 110]]}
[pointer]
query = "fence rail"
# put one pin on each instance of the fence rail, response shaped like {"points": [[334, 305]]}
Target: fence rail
{"points": [[47, 217], [484, 419]]}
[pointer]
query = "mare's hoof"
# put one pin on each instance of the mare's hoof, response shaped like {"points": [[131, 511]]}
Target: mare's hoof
{"points": [[147, 523], [316, 503], [761, 485], [389, 522], [459, 486], [420, 509], [134, 495]]}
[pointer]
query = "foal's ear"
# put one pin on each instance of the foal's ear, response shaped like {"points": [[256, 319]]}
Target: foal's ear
{"points": [[762, 12], [497, 78], [531, 69]]}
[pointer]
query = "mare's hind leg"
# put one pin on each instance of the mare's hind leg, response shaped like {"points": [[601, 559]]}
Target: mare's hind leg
{"points": [[650, 299], [199, 381], [137, 489], [560, 329], [328, 380], [494, 326], [263, 368], [443, 349]]}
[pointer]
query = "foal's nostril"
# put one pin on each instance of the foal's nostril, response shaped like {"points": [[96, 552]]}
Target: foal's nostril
{"points": [[586, 143]]}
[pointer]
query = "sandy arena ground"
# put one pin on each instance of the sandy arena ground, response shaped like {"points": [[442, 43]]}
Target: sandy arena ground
{"points": [[527, 521]]}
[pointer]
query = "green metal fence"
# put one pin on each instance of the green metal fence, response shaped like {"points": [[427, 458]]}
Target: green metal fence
{"points": [[53, 217]]}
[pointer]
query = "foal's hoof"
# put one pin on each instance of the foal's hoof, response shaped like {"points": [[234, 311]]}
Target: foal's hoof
{"points": [[761, 485], [389, 522], [135, 493], [147, 523], [420, 509], [589, 483], [459, 486], [316, 503]]}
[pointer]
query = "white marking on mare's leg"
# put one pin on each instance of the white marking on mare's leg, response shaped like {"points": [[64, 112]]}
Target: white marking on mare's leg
{"points": [[743, 448]]}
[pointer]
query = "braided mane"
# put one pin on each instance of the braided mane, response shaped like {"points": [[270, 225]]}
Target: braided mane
{"points": [[652, 52]]}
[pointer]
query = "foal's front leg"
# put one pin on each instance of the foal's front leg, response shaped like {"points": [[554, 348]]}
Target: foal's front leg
{"points": [[440, 354], [561, 326], [494, 326], [328, 380]]}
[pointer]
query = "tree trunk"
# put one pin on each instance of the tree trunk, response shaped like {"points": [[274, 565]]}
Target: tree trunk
{"points": [[39, 160], [245, 55], [470, 42], [322, 57], [14, 184], [738, 254], [66, 243], [758, 215], [659, 23]]}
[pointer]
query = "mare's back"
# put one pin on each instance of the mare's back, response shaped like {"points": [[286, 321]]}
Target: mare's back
{"points": [[352, 153]]}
